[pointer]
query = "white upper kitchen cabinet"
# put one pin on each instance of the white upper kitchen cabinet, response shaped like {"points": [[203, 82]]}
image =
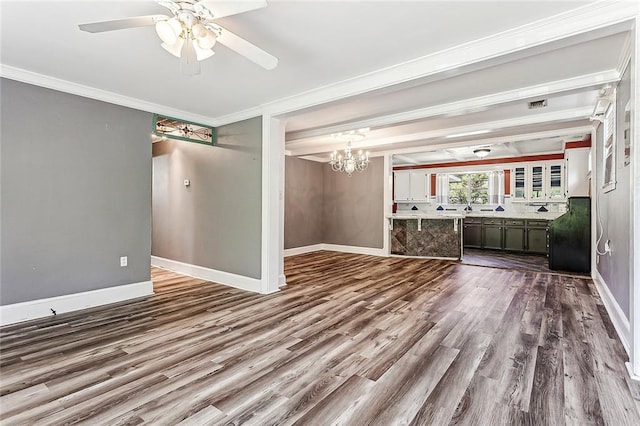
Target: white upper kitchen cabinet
{"points": [[577, 160], [401, 186], [411, 186], [555, 186], [544, 181], [419, 186]]}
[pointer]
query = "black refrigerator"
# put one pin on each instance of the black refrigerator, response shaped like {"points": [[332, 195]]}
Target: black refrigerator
{"points": [[570, 237]]}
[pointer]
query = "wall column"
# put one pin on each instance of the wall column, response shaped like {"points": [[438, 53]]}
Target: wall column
{"points": [[272, 254], [388, 202]]}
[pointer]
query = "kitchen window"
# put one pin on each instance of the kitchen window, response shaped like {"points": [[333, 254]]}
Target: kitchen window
{"points": [[470, 188]]}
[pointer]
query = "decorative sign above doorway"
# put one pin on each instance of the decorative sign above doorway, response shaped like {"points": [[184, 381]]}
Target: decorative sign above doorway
{"points": [[167, 127]]}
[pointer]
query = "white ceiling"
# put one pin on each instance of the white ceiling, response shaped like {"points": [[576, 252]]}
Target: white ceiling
{"points": [[322, 43]]}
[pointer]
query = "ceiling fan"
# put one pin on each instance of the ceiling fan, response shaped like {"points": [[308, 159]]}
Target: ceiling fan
{"points": [[190, 33]]}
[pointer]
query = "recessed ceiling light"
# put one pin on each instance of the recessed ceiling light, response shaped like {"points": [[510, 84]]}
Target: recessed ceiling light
{"points": [[459, 135]]}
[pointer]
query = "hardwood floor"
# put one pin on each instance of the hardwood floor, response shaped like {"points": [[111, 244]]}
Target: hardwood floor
{"points": [[351, 340]]}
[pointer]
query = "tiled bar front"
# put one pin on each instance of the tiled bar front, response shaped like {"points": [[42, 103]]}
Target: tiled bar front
{"points": [[425, 237]]}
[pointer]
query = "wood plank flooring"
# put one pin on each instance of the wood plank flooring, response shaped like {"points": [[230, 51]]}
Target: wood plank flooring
{"points": [[351, 340]]}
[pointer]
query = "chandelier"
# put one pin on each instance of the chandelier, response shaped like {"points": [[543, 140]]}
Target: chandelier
{"points": [[349, 162]]}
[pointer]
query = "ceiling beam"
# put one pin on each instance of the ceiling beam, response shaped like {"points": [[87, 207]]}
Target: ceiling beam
{"points": [[490, 141], [320, 146], [466, 106], [438, 145], [511, 148], [455, 155], [406, 159]]}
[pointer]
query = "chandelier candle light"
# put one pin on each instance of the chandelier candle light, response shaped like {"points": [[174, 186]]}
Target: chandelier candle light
{"points": [[348, 162]]}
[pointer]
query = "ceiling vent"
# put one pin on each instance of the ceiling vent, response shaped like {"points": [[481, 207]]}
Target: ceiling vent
{"points": [[538, 104]]}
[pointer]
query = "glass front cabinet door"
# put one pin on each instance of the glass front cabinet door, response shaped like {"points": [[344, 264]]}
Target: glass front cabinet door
{"points": [[539, 182], [536, 185], [519, 183], [555, 182]]}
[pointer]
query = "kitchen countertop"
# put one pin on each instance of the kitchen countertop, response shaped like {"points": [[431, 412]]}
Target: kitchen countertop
{"points": [[462, 215], [531, 215], [448, 215]]}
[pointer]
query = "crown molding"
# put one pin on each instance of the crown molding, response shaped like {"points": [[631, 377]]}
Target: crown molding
{"points": [[465, 105], [625, 55], [30, 77], [587, 18], [237, 116], [315, 147], [315, 158], [493, 161]]}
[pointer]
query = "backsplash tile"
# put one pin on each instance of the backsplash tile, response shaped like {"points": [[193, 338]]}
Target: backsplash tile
{"points": [[507, 209]]}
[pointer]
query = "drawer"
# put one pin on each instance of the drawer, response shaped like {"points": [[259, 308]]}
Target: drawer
{"points": [[491, 221], [472, 220], [537, 223], [514, 222]]}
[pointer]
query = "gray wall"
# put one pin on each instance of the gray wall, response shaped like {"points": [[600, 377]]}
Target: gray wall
{"points": [[303, 191], [615, 210], [216, 221], [352, 207], [75, 193]]}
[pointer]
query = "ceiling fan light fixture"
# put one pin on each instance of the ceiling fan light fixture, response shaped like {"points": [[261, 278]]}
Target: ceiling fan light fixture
{"points": [[198, 30], [169, 31], [202, 54], [207, 39], [175, 48]]}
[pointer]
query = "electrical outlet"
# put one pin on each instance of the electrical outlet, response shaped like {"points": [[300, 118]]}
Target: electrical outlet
{"points": [[123, 261], [607, 247]]}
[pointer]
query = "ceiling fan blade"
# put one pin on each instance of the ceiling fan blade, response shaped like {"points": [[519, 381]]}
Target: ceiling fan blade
{"points": [[189, 60], [220, 9], [121, 24], [246, 49]]}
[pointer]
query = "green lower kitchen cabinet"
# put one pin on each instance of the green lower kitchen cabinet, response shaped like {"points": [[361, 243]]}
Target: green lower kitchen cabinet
{"points": [[517, 235], [514, 239], [492, 237], [472, 233], [537, 240]]}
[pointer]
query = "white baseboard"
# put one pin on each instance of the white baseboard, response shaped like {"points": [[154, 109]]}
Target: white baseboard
{"points": [[618, 318], [427, 257], [304, 249], [33, 309], [221, 277], [356, 250], [282, 280], [633, 381], [335, 247]]}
